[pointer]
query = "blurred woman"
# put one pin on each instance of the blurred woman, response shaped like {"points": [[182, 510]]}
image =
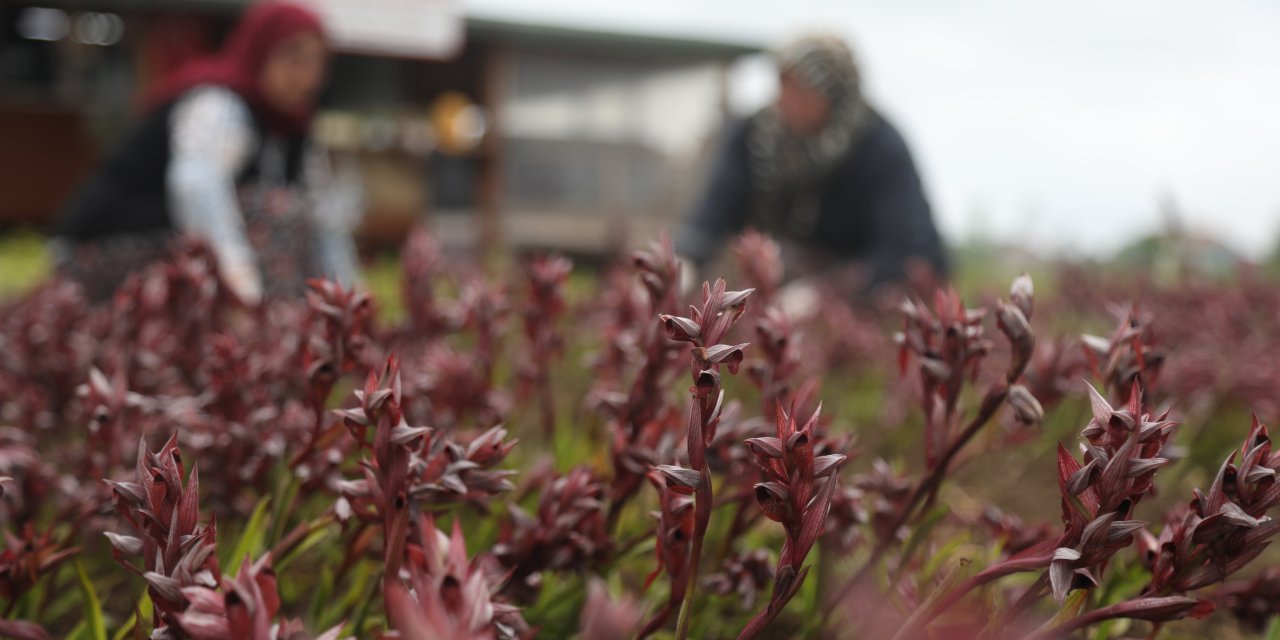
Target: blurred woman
{"points": [[825, 174], [223, 154]]}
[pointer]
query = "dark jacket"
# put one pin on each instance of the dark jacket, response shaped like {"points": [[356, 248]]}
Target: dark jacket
{"points": [[128, 195], [120, 220], [869, 210]]}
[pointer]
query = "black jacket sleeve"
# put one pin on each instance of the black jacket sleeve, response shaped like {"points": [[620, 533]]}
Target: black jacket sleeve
{"points": [[900, 216], [721, 210]]}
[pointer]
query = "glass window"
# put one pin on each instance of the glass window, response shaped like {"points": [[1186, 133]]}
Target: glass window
{"points": [[584, 135]]}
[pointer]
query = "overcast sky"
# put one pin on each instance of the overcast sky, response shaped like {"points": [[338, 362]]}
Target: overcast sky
{"points": [[1064, 124]]}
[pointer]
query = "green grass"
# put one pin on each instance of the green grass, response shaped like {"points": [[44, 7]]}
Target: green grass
{"points": [[382, 278], [24, 262]]}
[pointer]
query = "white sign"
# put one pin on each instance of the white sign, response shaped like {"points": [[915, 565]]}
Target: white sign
{"points": [[410, 28]]}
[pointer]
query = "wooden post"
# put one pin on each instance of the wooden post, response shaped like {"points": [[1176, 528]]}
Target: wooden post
{"points": [[489, 196]]}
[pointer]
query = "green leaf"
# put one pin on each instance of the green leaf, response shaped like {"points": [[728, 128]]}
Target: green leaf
{"points": [[920, 533], [311, 540], [329, 612], [954, 577], [1116, 627], [364, 583], [142, 611], [286, 493], [30, 603], [940, 557], [809, 596], [250, 542], [1124, 580], [1070, 608], [95, 626], [362, 613], [322, 601], [570, 449], [559, 605], [78, 632], [126, 628]]}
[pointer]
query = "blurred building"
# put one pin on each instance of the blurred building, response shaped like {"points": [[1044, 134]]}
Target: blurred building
{"points": [[493, 131]]}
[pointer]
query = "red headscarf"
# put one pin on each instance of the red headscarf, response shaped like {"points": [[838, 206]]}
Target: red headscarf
{"points": [[238, 65]]}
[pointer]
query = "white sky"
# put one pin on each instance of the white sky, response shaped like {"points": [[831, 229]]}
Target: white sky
{"points": [[1061, 124]]}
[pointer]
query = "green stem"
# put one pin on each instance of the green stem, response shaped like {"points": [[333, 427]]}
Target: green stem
{"points": [[928, 487], [686, 606], [702, 516]]}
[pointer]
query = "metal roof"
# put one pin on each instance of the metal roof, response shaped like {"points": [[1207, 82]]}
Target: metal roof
{"points": [[580, 39], [498, 30]]}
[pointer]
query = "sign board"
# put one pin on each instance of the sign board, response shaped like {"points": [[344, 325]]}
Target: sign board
{"points": [[409, 28]]}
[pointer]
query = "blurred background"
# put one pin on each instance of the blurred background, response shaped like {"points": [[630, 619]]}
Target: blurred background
{"points": [[1086, 131]]}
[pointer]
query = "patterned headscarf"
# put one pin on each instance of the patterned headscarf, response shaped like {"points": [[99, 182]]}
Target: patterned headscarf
{"points": [[787, 169]]}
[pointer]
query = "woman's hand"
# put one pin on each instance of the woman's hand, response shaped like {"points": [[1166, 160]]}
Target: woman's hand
{"points": [[688, 276], [243, 280], [800, 299]]}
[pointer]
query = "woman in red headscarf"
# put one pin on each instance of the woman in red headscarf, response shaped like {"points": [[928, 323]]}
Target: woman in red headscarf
{"points": [[223, 154]]}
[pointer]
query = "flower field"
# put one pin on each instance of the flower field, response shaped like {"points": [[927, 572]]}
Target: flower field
{"points": [[544, 453]]}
